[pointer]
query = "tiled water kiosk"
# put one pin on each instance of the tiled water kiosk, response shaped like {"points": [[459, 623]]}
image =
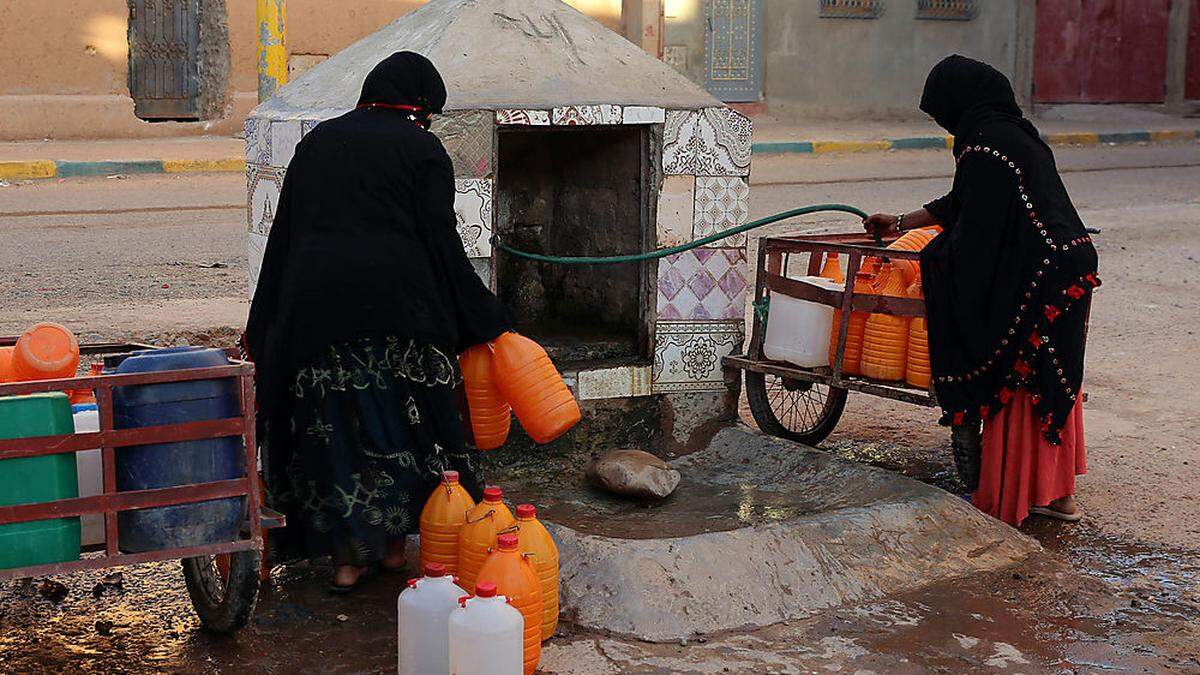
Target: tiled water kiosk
{"points": [[567, 140]]}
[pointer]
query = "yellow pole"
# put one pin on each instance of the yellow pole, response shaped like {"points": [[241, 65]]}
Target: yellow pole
{"points": [[271, 18]]}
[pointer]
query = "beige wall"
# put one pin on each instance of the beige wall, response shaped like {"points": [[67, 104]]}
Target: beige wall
{"points": [[65, 61]]}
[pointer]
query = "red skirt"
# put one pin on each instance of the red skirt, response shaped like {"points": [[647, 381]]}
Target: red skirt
{"points": [[1020, 468]]}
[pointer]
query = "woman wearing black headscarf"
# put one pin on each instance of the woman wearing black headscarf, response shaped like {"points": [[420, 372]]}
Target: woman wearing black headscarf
{"points": [[1007, 287], [364, 299]]}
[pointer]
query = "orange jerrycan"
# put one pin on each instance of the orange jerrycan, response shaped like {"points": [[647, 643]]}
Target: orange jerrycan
{"points": [[444, 515], [6, 356], [913, 240], [852, 359], [47, 351], [832, 268], [919, 372], [477, 536], [490, 412], [540, 549], [885, 340], [514, 577], [533, 387]]}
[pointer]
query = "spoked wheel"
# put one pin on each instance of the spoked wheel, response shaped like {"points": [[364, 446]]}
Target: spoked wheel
{"points": [[800, 411], [224, 602]]}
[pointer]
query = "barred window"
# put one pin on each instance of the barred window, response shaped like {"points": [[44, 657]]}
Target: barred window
{"points": [[851, 9], [947, 10]]}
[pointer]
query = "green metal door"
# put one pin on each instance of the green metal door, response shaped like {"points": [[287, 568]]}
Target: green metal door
{"points": [[164, 74]]}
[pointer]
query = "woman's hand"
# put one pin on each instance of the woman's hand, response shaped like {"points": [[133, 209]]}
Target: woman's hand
{"points": [[881, 224]]}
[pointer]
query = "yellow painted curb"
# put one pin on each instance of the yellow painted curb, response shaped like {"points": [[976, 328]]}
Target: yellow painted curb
{"points": [[27, 170], [821, 147], [1074, 138], [203, 165], [1173, 135], [949, 142]]}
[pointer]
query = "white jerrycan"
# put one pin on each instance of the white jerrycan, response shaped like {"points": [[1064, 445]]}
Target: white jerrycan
{"points": [[486, 635], [424, 612]]}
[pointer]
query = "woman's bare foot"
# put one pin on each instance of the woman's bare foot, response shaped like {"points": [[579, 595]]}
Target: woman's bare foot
{"points": [[346, 576], [395, 559], [1064, 505]]}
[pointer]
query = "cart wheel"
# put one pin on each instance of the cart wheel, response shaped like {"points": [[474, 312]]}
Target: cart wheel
{"points": [[804, 412], [223, 603]]}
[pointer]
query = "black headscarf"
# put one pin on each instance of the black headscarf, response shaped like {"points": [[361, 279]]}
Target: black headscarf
{"points": [[1007, 285], [365, 239]]}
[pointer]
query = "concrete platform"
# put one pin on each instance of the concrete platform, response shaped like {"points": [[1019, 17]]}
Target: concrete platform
{"points": [[759, 531]]}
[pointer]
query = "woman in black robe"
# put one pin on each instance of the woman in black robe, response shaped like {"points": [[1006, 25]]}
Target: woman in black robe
{"points": [[1007, 289], [364, 300]]}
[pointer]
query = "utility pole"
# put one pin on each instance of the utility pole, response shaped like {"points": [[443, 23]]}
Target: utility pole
{"points": [[271, 20]]}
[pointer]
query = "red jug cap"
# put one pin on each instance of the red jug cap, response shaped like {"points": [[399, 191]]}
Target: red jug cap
{"points": [[485, 589], [492, 494], [526, 511], [435, 570], [450, 476], [507, 542]]}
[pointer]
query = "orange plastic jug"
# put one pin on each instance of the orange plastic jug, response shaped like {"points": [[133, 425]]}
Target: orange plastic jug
{"points": [[515, 578], [542, 552], [913, 240], [444, 514], [47, 351], [833, 268], [918, 373], [533, 387], [885, 340], [6, 356], [477, 536], [852, 359], [490, 412]]}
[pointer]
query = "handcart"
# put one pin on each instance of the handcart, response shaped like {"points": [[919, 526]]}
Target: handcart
{"points": [[222, 578]]}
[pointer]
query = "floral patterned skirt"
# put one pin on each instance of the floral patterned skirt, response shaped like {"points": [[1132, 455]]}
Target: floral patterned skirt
{"points": [[374, 423]]}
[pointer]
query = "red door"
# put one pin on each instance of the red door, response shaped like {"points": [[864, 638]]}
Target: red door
{"points": [[1192, 89], [1100, 51]]}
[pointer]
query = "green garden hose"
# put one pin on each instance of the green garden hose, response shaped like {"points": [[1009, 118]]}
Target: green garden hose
{"points": [[664, 252]]}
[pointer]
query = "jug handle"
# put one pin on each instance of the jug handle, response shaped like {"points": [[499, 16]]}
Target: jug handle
{"points": [[462, 602], [486, 515], [509, 530]]}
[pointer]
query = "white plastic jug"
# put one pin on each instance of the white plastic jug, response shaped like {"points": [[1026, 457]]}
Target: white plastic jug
{"points": [[91, 477], [424, 612], [798, 330], [486, 635]]}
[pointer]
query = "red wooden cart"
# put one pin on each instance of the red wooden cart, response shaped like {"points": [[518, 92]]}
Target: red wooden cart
{"points": [[223, 594]]}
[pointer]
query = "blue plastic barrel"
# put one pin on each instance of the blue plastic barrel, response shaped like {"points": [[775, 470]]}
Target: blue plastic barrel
{"points": [[162, 465]]}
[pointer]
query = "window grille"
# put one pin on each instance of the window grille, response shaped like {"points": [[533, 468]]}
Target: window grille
{"points": [[947, 10], [851, 9]]}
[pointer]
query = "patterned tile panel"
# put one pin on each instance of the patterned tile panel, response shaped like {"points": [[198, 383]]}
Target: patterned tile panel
{"points": [[468, 140], [622, 382], [473, 207], [709, 142], [307, 126], [582, 115], [687, 354], [258, 140], [637, 114], [537, 118], [676, 203], [721, 203], [285, 134], [256, 246], [483, 268], [703, 284], [263, 184]]}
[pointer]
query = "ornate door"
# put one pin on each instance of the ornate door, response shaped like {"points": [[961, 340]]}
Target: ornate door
{"points": [[164, 77], [733, 51]]}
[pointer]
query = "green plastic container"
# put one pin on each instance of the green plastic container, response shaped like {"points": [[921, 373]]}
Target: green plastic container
{"points": [[37, 479]]}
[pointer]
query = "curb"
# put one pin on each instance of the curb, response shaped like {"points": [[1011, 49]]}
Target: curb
{"points": [[1083, 138], [73, 169]]}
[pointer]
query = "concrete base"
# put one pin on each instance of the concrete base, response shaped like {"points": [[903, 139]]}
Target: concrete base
{"points": [[760, 531]]}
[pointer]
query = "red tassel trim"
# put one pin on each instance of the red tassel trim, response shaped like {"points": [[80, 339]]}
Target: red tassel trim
{"points": [[1076, 292], [1022, 368], [1052, 313], [1035, 340], [959, 417], [1005, 395]]}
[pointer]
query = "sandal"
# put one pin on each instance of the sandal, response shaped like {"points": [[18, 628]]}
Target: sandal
{"points": [[1057, 515], [339, 589]]}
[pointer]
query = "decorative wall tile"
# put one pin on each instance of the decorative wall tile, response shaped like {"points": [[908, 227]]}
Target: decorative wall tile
{"points": [[285, 134], [537, 118], [703, 283], [639, 114], [307, 126], [473, 207], [721, 203], [687, 354], [620, 382], [581, 115], [483, 268], [263, 184], [468, 139], [675, 205], [256, 246], [258, 140], [709, 142]]}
